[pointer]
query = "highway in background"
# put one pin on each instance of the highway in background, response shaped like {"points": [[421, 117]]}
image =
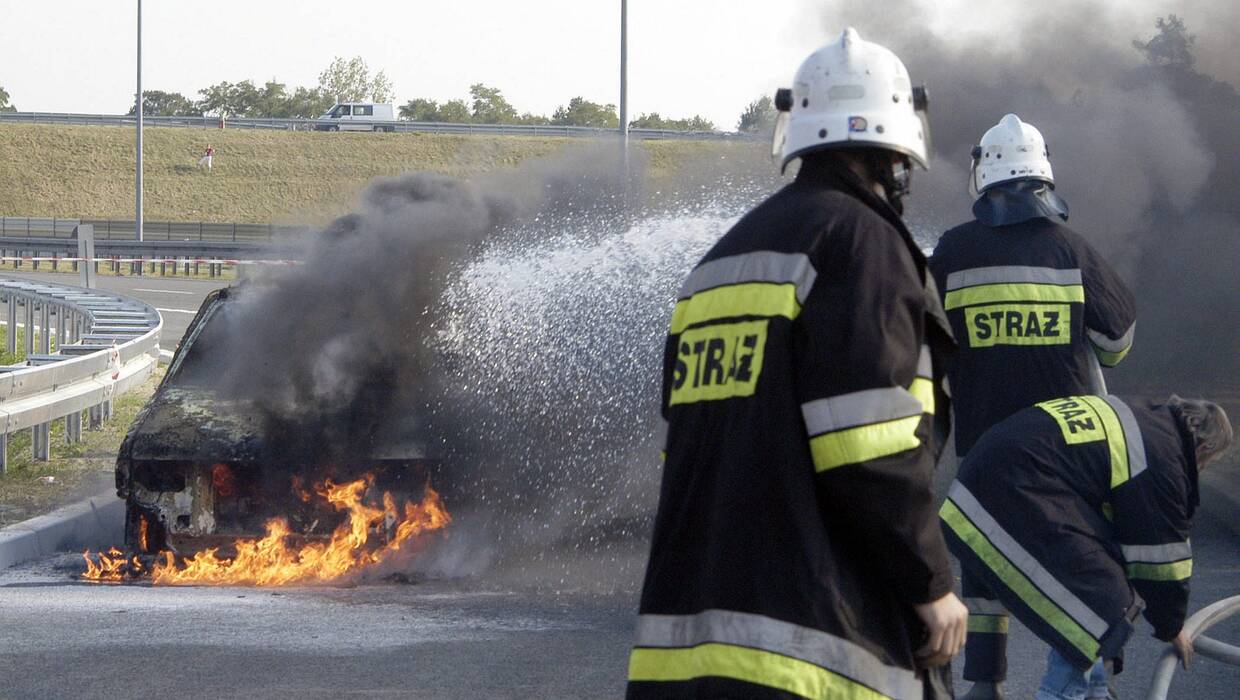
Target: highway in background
{"points": [[176, 298]]}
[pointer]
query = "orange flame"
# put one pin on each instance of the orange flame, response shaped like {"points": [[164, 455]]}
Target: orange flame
{"points": [[270, 561]]}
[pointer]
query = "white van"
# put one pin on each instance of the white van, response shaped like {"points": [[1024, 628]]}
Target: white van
{"points": [[356, 116]]}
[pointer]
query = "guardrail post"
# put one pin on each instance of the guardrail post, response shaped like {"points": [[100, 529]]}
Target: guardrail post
{"points": [[163, 268], [96, 417], [60, 327], [4, 452], [73, 428], [28, 336], [40, 436], [12, 319], [45, 327]]}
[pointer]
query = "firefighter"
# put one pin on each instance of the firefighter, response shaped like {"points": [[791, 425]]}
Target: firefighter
{"points": [[1074, 514], [795, 550], [1035, 310]]}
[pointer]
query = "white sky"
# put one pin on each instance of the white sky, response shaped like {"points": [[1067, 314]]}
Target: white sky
{"points": [[710, 57], [685, 57]]}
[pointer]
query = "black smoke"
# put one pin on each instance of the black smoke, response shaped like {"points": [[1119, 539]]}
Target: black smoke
{"points": [[1143, 143]]}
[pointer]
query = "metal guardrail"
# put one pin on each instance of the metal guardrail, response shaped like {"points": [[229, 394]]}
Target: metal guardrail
{"points": [[1196, 627], [123, 230], [401, 126], [106, 344]]}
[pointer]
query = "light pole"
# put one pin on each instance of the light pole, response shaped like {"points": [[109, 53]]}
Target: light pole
{"points": [[137, 207], [624, 89]]}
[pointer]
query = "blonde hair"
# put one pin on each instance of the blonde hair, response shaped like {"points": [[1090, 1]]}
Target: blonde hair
{"points": [[1208, 424]]}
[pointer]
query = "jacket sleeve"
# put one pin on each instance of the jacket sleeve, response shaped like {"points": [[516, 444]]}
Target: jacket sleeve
{"points": [[1151, 527], [1110, 309], [863, 381]]}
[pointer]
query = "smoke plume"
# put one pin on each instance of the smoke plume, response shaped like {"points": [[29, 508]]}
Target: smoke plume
{"points": [[1142, 142]]}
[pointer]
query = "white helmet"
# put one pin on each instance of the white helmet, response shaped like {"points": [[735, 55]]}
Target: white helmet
{"points": [[1010, 150], [852, 92]]}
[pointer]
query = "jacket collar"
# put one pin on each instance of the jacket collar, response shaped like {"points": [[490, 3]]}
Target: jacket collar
{"points": [[1019, 201], [844, 180]]}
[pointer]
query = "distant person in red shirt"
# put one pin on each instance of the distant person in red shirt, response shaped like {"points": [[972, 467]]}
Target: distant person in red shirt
{"points": [[206, 157]]}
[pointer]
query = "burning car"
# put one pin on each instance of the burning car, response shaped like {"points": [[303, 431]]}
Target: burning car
{"points": [[208, 478]]}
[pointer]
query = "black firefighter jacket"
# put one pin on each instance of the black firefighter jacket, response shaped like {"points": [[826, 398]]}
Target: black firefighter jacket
{"points": [[1034, 310], [1068, 507], [796, 526]]}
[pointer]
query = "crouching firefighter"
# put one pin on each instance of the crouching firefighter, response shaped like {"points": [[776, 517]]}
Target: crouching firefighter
{"points": [[1074, 515], [795, 550], [1035, 310]]}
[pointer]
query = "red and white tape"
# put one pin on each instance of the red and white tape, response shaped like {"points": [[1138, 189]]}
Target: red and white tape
{"points": [[171, 261]]}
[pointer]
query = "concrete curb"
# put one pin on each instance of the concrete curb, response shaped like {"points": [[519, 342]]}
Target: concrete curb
{"points": [[95, 523]]}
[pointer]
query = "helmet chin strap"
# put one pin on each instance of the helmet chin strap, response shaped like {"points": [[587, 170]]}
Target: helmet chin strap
{"points": [[896, 179]]}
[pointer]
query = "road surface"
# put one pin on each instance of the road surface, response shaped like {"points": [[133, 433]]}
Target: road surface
{"points": [[62, 638], [176, 298]]}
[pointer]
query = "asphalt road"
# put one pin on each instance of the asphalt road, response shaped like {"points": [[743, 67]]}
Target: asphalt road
{"points": [[457, 639], [176, 298]]}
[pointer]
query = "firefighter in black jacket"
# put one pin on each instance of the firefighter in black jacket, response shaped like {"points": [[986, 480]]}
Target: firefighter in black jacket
{"points": [[1075, 513], [1034, 309], [795, 550]]}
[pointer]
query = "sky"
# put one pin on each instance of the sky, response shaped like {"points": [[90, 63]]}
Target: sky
{"points": [[708, 57]]}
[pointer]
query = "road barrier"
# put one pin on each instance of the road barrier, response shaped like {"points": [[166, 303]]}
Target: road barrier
{"points": [[401, 126], [1195, 627], [106, 344], [153, 231]]}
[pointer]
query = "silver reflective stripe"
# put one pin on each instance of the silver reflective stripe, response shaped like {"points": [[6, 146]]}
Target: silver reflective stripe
{"points": [[1157, 553], [762, 266], [1105, 343], [1024, 561], [1132, 435], [925, 368], [1008, 274], [859, 408], [985, 606], [813, 646]]}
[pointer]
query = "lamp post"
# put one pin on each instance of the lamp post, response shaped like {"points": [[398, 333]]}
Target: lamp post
{"points": [[137, 215], [624, 90]]}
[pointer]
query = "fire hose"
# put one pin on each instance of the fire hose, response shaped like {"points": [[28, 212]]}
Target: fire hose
{"points": [[1195, 627]]}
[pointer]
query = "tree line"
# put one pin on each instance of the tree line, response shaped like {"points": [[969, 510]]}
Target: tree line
{"points": [[351, 80]]}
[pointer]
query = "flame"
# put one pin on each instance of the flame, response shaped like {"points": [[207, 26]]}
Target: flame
{"points": [[142, 535], [112, 566], [270, 561]]}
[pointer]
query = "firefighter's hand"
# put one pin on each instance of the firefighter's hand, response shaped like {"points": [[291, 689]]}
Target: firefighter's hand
{"points": [[946, 621], [1183, 648]]}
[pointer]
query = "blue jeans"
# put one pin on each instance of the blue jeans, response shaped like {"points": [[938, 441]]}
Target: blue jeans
{"points": [[1063, 681]]}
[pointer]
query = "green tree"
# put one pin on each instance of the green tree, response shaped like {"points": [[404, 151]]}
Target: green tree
{"points": [[420, 109], [1172, 46], [490, 107], [455, 112], [230, 99], [157, 103], [654, 121], [307, 103], [4, 101], [759, 116], [351, 81], [534, 119], [582, 112]]}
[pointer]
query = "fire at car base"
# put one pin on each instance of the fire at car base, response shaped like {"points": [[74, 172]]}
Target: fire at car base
{"points": [[358, 543]]}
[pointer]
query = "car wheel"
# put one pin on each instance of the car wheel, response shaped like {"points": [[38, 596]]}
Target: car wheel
{"points": [[135, 541], [333, 128]]}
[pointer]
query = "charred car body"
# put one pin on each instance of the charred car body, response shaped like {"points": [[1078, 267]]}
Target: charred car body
{"points": [[200, 468]]}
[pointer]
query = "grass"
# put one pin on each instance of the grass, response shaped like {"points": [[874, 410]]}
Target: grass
{"points": [[80, 470], [300, 177]]}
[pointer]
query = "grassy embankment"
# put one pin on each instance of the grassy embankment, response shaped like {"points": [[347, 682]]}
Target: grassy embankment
{"points": [[264, 176]]}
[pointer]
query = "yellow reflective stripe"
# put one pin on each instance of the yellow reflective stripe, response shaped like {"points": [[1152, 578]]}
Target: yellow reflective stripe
{"points": [[864, 443], [1026, 291], [1175, 571], [1116, 444], [1110, 359], [744, 664], [1020, 584], [988, 624], [749, 299], [922, 389]]}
